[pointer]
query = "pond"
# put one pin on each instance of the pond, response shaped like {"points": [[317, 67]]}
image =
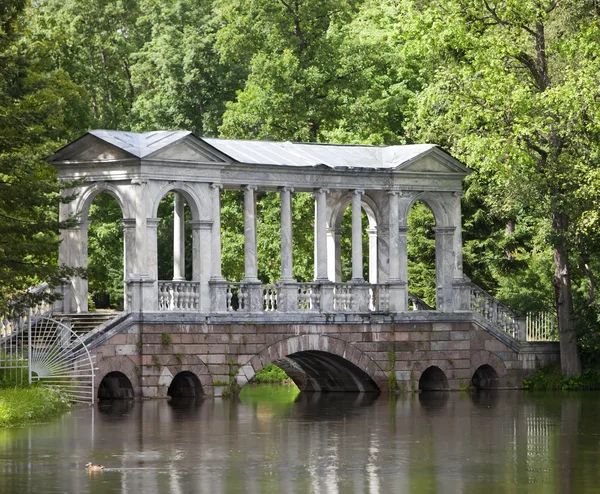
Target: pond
{"points": [[275, 439]]}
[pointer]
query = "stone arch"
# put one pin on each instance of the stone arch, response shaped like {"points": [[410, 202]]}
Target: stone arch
{"points": [[367, 203], [182, 188], [312, 343], [187, 363], [485, 358], [437, 205], [85, 199], [433, 379], [120, 364], [443, 364]]}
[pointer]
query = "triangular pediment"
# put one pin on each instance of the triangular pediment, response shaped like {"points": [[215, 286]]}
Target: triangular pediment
{"points": [[189, 149], [434, 161], [90, 148]]}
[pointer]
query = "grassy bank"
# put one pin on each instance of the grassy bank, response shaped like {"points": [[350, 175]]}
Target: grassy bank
{"points": [[271, 374], [30, 404], [552, 379]]}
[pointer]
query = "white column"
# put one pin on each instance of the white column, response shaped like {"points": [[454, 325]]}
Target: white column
{"points": [[444, 266], [178, 239], [357, 248], [394, 238], [321, 235], [250, 252], [373, 262], [216, 233], [334, 254], [286, 234]]}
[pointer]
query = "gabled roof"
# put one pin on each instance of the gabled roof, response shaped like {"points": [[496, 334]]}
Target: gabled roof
{"points": [[140, 144], [337, 156]]}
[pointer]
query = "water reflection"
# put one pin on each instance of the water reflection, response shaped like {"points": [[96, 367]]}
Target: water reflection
{"points": [[420, 443]]}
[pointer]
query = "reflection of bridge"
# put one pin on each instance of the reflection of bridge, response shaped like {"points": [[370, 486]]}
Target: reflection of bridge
{"points": [[330, 335]]}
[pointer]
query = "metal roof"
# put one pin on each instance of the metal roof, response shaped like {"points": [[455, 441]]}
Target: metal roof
{"points": [[272, 153], [140, 144]]}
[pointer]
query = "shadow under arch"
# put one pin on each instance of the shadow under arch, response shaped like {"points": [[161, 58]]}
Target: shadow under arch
{"points": [[185, 384], [433, 379], [485, 377], [115, 386], [319, 363]]}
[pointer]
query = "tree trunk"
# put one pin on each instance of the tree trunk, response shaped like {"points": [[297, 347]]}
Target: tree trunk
{"points": [[570, 362]]}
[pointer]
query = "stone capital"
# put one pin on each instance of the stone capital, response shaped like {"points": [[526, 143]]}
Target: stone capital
{"points": [[217, 186], [444, 230], [128, 223], [251, 187], [286, 188], [152, 222], [359, 192], [201, 224]]}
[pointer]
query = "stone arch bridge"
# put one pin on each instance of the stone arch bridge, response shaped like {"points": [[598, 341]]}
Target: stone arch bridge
{"points": [[201, 334]]}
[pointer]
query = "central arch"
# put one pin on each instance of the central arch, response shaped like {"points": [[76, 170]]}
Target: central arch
{"points": [[319, 363]]}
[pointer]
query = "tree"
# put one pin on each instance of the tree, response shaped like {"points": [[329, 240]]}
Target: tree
{"points": [[41, 109], [518, 102]]}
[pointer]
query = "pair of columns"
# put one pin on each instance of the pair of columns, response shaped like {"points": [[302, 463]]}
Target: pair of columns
{"points": [[321, 257]]}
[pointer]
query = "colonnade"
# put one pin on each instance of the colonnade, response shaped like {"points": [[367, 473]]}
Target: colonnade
{"points": [[388, 211]]}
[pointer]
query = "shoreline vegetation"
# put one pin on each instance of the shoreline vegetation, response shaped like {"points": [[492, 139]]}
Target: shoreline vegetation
{"points": [[26, 405]]}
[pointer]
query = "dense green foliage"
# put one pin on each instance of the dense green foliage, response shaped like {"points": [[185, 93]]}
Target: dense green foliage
{"points": [[22, 405], [552, 379], [271, 374], [508, 87]]}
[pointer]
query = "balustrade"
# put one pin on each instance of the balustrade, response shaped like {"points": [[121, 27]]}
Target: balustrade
{"points": [[178, 295], [270, 298], [342, 297], [309, 297], [494, 311]]}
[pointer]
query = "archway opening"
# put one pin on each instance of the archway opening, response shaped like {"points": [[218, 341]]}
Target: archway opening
{"points": [[174, 238], [115, 386], [433, 379], [485, 377], [421, 257], [316, 371], [105, 254], [185, 385]]}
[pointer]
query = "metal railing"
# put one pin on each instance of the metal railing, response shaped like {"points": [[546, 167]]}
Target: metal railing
{"points": [[541, 326]]}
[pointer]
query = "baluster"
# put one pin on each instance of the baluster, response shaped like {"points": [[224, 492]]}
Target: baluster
{"points": [[228, 296]]}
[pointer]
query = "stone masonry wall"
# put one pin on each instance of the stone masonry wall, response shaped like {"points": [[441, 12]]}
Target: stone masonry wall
{"points": [[151, 354]]}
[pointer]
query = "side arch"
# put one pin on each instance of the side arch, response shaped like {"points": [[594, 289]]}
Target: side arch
{"points": [[85, 199], [187, 363], [484, 357], [437, 204], [121, 364], [182, 188], [367, 203], [312, 343]]}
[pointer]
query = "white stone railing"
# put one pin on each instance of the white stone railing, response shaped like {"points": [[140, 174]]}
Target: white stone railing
{"points": [[379, 298], [541, 326], [235, 296], [178, 295], [495, 312], [269, 298], [342, 297], [309, 297], [415, 303]]}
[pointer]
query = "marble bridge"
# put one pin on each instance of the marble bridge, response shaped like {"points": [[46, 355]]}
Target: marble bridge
{"points": [[201, 334]]}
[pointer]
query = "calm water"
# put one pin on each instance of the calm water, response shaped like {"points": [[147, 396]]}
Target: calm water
{"points": [[274, 440]]}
